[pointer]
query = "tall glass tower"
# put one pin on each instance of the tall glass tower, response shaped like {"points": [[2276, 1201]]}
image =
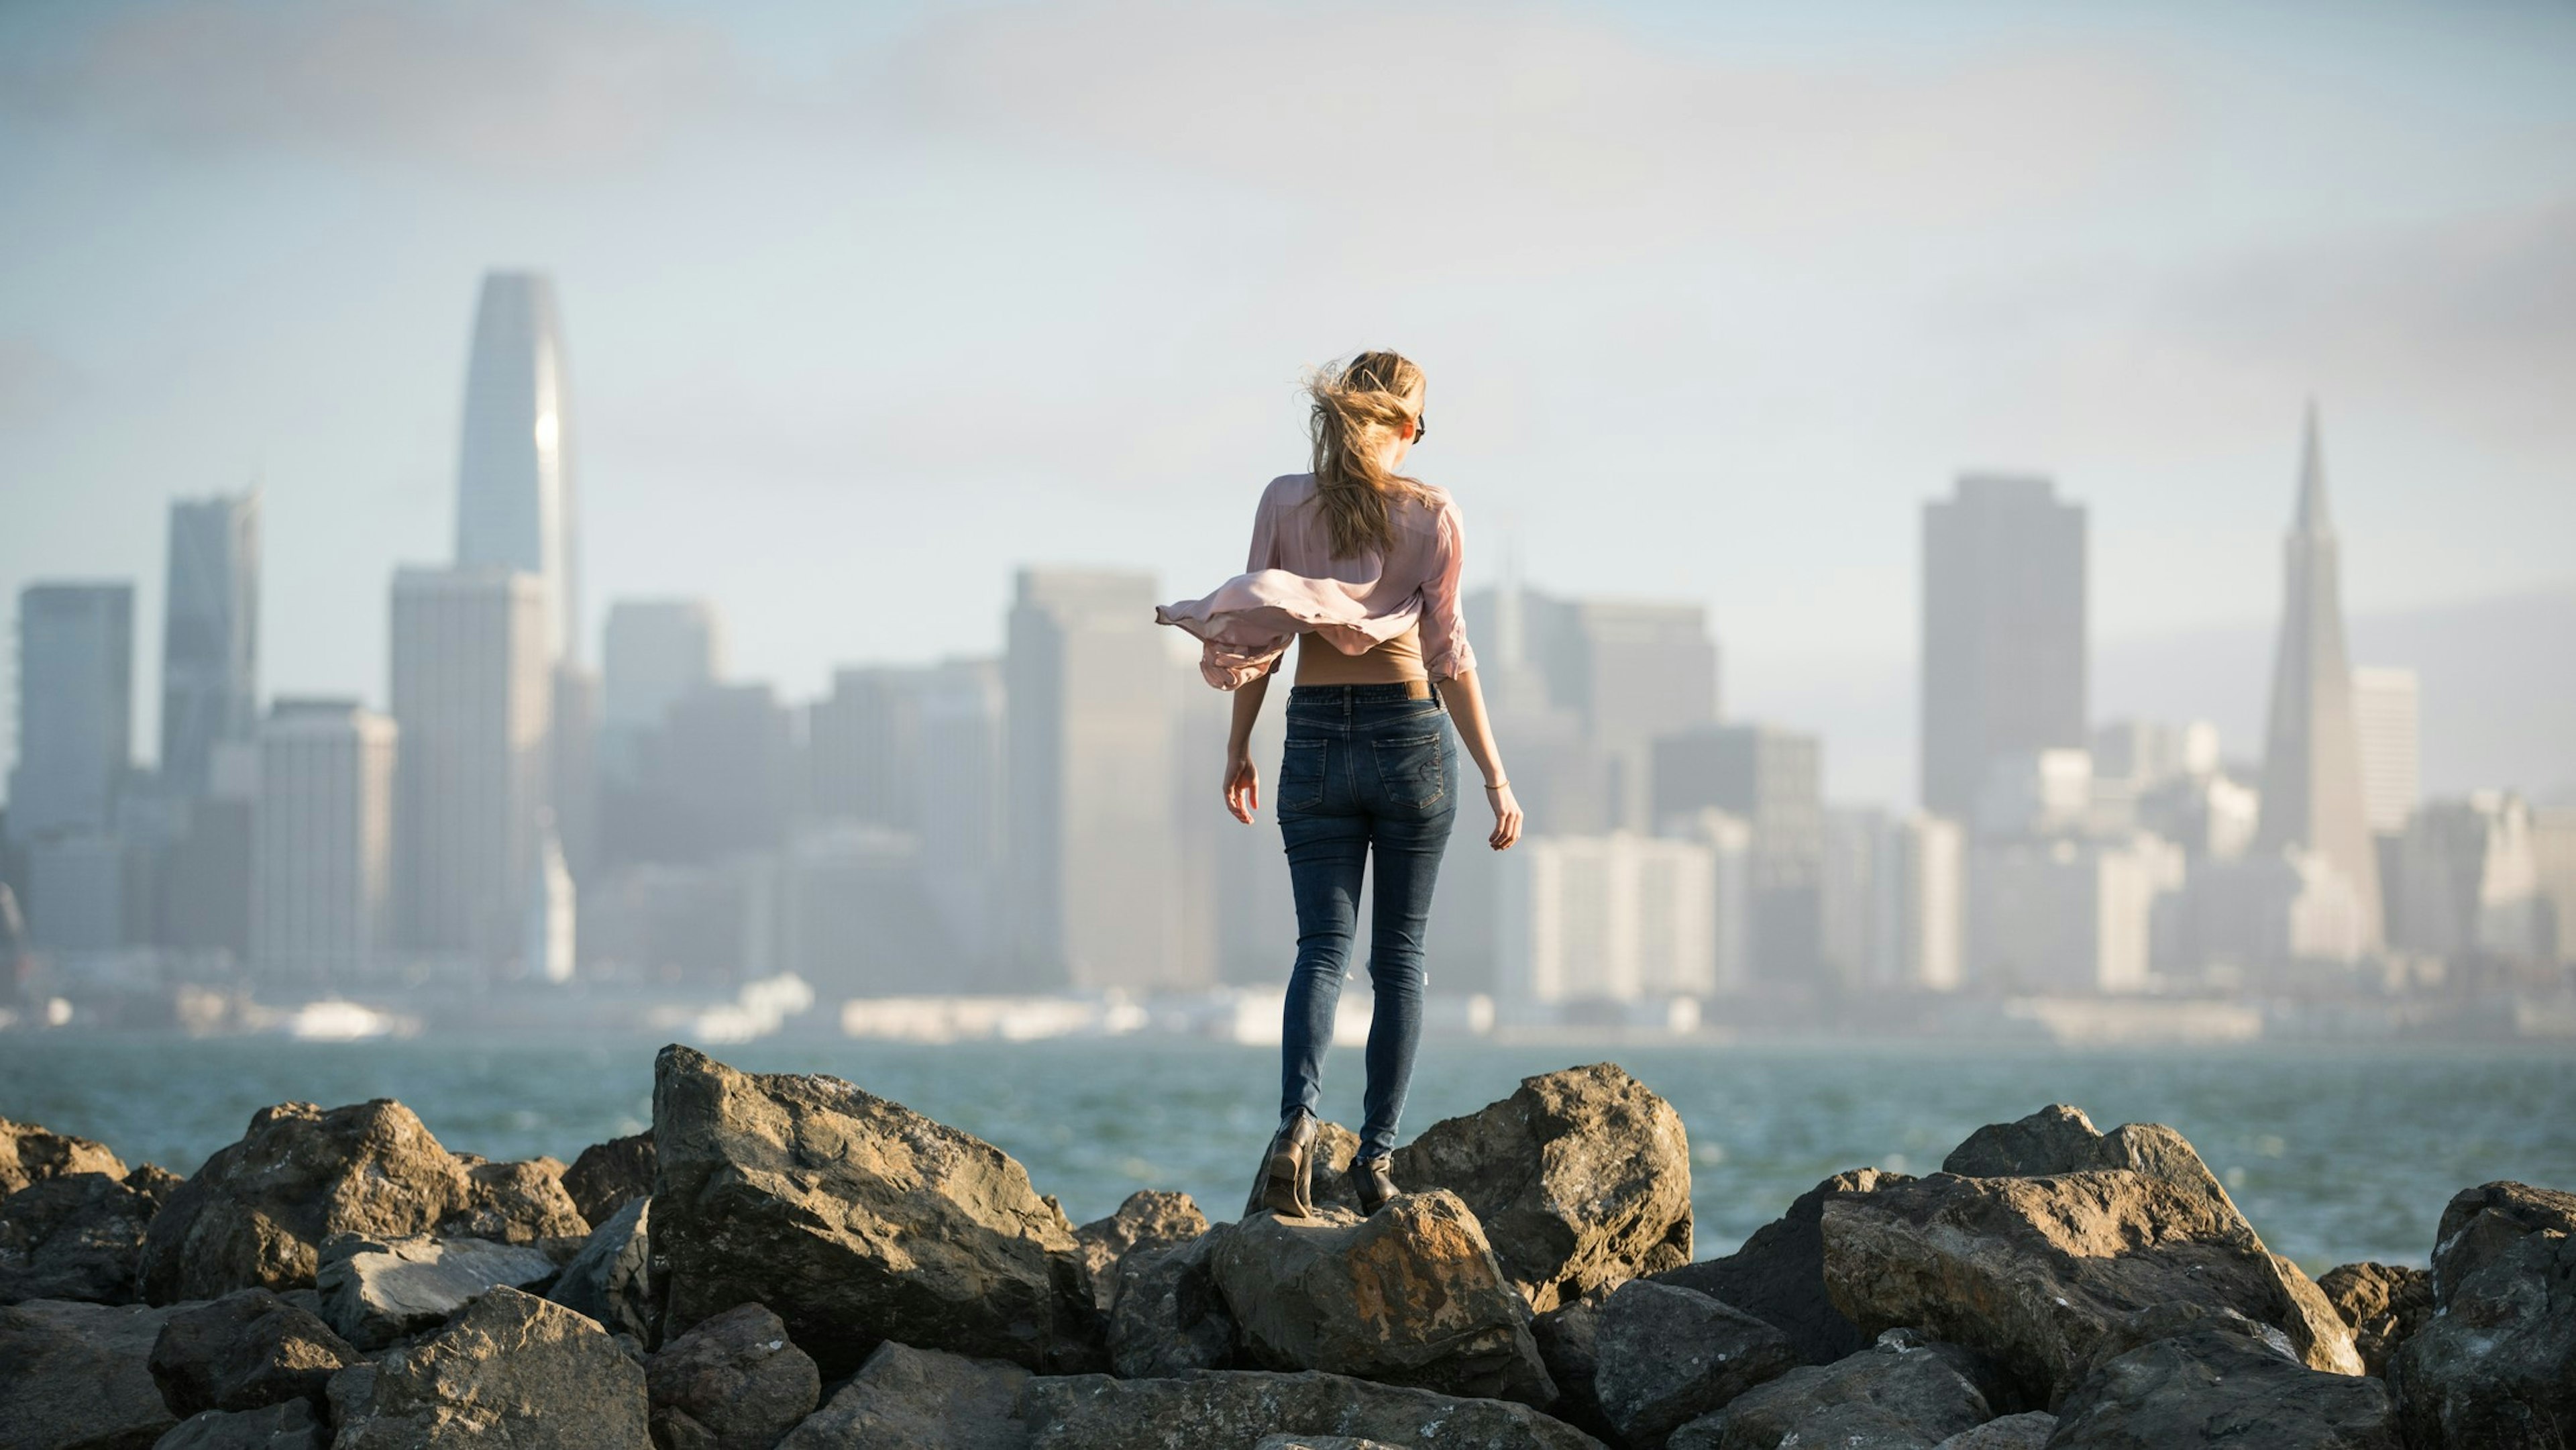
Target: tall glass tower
{"points": [[209, 636], [514, 483]]}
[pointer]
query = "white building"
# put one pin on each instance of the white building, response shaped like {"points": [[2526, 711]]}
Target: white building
{"points": [[2265, 910], [2385, 709], [322, 846], [655, 652], [1895, 900], [2468, 880], [2067, 915], [1620, 917], [961, 836]]}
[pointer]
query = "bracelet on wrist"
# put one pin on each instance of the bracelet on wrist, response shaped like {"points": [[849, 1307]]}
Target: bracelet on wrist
{"points": [[1498, 785]]}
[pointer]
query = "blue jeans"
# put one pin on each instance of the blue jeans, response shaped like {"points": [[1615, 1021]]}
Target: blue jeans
{"points": [[1365, 768]]}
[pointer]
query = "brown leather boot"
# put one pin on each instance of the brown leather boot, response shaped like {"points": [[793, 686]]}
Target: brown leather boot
{"points": [[1373, 1181], [1287, 1169]]}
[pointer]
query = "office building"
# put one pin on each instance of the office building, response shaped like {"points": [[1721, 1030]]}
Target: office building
{"points": [[322, 847], [2469, 882], [654, 651], [471, 688], [2553, 860], [209, 637], [2291, 906], [725, 769], [204, 881], [2004, 610], [2145, 754], [864, 744], [1894, 903], [1729, 842], [1089, 761], [1774, 781], [2067, 916], [572, 765], [2385, 710], [1618, 918], [75, 711], [516, 507], [962, 725], [2312, 775]]}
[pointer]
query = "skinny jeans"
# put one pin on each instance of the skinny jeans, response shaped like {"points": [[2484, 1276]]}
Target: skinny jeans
{"points": [[1367, 771]]}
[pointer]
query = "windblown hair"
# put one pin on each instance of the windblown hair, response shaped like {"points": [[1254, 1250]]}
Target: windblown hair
{"points": [[1357, 406]]}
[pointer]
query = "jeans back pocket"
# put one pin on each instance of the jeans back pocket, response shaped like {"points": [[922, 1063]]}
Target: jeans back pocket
{"points": [[1413, 770], [1301, 776]]}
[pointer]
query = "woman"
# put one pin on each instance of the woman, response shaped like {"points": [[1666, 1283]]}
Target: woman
{"points": [[1359, 564]]}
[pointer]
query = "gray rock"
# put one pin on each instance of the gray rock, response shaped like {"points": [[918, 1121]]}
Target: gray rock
{"points": [[2061, 1139], [2495, 1367], [2034, 1271], [2172, 1320], [1666, 1356], [1902, 1393], [1410, 1296], [30, 1154], [1168, 1316], [287, 1425], [1581, 1180], [1208, 1409], [2029, 1431], [1319, 1442], [608, 1176], [857, 1220], [376, 1291], [1569, 1345], [245, 1351], [920, 1399], [1149, 1219], [2216, 1387], [2384, 1304], [78, 1377], [735, 1382], [611, 1279], [514, 1203], [79, 1235], [512, 1372], [1778, 1276]]}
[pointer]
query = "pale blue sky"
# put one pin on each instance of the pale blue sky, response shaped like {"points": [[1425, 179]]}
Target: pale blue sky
{"points": [[865, 310]]}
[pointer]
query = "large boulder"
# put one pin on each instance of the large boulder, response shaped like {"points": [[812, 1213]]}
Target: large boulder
{"points": [[1207, 1409], [2383, 1304], [79, 1235], [1410, 1295], [1778, 1276], [2030, 1430], [30, 1154], [2222, 1388], [1319, 1442], [856, 1219], [2495, 1366], [1569, 1344], [1902, 1393], [244, 1351], [611, 1278], [1149, 1219], [1168, 1315], [79, 1377], [2061, 1139], [920, 1399], [286, 1425], [1581, 1180], [514, 1203], [378, 1291], [1665, 1356], [735, 1382], [2034, 1271], [512, 1372], [608, 1176]]}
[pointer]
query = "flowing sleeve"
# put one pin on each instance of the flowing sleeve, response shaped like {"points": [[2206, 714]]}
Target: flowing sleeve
{"points": [[1264, 553], [1445, 652]]}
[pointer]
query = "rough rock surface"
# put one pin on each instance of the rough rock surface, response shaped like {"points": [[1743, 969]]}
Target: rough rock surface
{"points": [[2217, 1387], [1206, 1409], [514, 1203], [856, 1219], [1902, 1393], [1581, 1180], [2061, 1139], [1779, 1274], [1411, 1296], [30, 1154], [1168, 1315], [611, 1278], [1569, 1345], [1666, 1356], [78, 1376], [512, 1372], [376, 1291], [608, 1176], [2383, 1303], [287, 1425], [244, 1351], [2035, 1270], [2495, 1367], [1319, 1442], [2030, 1431], [1149, 1219], [920, 1399], [79, 1235], [735, 1382]]}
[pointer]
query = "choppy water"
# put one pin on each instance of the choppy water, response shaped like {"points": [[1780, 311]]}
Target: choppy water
{"points": [[2336, 1153]]}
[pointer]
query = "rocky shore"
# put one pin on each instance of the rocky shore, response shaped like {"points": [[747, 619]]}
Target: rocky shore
{"points": [[787, 1261]]}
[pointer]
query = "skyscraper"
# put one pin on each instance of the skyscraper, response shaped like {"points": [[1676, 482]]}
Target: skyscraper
{"points": [[209, 636], [1774, 780], [515, 501], [2003, 633], [2312, 781], [2385, 709], [470, 695], [655, 652], [75, 710], [322, 846]]}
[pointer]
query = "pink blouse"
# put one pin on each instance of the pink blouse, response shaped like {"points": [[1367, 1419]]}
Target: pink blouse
{"points": [[1293, 586]]}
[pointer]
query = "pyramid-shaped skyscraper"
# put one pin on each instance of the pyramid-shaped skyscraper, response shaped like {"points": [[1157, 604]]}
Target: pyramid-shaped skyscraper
{"points": [[2312, 796]]}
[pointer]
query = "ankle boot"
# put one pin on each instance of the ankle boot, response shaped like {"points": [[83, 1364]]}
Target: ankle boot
{"points": [[1373, 1181], [1286, 1169]]}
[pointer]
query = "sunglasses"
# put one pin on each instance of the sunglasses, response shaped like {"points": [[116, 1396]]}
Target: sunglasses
{"points": [[1421, 426]]}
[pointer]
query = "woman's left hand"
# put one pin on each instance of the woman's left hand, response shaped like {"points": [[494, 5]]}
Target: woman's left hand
{"points": [[1242, 786]]}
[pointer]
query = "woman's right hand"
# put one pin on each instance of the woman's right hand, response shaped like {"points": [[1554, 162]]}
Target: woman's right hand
{"points": [[1507, 816], [1242, 785]]}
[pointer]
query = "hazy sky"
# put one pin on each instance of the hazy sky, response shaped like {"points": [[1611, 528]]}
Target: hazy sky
{"points": [[863, 310]]}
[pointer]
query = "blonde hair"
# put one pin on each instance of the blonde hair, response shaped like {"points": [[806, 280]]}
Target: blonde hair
{"points": [[1356, 406]]}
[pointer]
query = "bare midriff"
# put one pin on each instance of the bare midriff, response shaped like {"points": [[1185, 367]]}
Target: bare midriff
{"points": [[1393, 663]]}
